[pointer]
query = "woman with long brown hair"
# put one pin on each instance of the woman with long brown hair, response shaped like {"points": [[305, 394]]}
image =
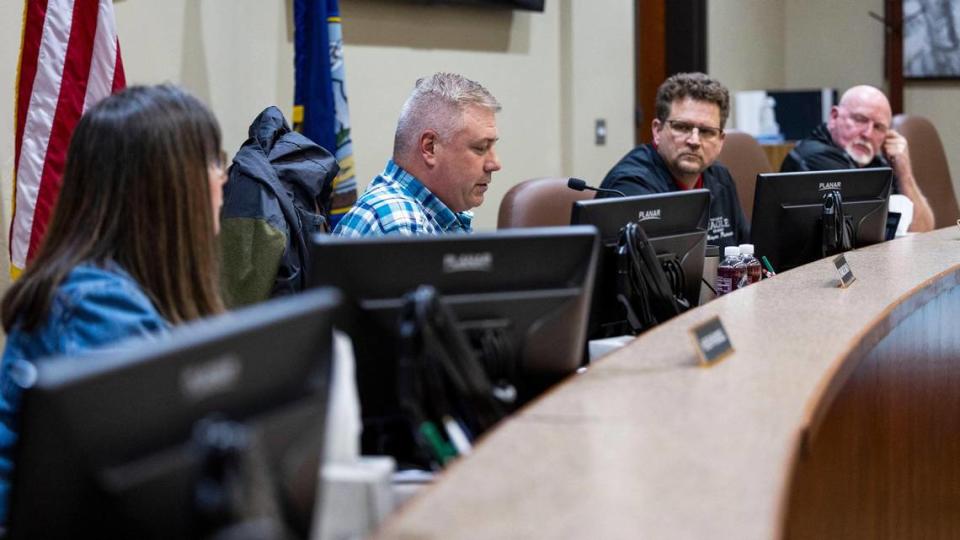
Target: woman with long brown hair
{"points": [[131, 248]]}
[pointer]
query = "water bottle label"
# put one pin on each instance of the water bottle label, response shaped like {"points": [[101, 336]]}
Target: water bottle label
{"points": [[724, 285]]}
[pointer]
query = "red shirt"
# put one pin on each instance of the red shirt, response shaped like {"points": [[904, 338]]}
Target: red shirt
{"points": [[696, 185]]}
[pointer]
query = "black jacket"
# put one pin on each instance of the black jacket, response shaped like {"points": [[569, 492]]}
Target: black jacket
{"points": [[642, 171], [277, 195], [818, 152]]}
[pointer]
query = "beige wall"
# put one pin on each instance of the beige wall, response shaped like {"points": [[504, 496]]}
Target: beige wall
{"points": [[552, 74], [834, 44], [838, 44], [555, 72], [516, 55], [745, 45], [939, 102], [815, 43], [598, 84], [11, 16], [237, 64], [549, 71]]}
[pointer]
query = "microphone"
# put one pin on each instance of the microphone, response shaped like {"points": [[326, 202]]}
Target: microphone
{"points": [[580, 185]]}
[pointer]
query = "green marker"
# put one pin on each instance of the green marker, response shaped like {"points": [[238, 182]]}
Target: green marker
{"points": [[768, 265], [442, 450]]}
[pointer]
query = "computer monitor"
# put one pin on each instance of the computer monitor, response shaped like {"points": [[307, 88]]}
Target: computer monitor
{"points": [[528, 288], [530, 5], [788, 212], [675, 223], [217, 425]]}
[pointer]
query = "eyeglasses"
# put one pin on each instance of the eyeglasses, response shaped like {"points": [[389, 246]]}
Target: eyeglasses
{"points": [[683, 129], [863, 122]]}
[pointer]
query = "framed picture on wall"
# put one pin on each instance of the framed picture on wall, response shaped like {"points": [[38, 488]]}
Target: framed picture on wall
{"points": [[931, 39]]}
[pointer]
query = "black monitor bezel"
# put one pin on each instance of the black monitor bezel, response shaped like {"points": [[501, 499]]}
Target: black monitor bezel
{"points": [[115, 417], [542, 275], [685, 230], [785, 202]]}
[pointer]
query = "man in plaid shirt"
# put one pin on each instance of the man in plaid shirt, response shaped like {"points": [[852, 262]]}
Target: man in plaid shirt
{"points": [[443, 160]]}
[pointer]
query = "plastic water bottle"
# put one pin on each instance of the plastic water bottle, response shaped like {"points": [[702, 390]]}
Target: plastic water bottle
{"points": [[730, 271], [754, 269]]}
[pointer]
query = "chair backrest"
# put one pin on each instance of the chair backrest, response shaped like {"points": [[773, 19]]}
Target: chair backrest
{"points": [[539, 202], [930, 167], [745, 159]]}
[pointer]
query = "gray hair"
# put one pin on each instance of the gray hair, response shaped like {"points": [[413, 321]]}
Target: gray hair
{"points": [[437, 103]]}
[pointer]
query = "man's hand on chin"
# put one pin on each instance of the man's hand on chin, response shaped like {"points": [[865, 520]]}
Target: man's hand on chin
{"points": [[897, 152]]}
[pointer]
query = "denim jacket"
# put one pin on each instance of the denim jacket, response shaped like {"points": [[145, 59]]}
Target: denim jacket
{"points": [[95, 307]]}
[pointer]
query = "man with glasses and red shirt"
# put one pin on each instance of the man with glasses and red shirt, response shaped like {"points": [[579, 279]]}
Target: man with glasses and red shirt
{"points": [[692, 109], [858, 134]]}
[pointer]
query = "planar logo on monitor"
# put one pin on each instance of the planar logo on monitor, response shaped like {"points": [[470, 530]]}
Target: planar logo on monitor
{"points": [[468, 262], [214, 377], [829, 186], [647, 215]]}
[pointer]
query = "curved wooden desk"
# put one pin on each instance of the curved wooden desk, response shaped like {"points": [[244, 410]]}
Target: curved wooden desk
{"points": [[838, 415]]}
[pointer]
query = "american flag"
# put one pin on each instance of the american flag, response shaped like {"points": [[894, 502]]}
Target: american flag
{"points": [[69, 60]]}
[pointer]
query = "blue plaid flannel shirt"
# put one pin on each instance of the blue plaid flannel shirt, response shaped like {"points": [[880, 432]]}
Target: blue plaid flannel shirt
{"points": [[397, 203]]}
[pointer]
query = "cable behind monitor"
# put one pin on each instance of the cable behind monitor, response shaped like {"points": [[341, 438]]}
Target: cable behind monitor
{"points": [[649, 289]]}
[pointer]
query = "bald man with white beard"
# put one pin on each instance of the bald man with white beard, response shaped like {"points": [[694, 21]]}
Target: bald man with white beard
{"points": [[858, 134]]}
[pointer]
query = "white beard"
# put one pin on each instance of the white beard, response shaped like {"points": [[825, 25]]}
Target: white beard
{"points": [[857, 153]]}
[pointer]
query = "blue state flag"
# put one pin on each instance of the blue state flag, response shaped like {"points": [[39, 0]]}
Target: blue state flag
{"points": [[320, 97]]}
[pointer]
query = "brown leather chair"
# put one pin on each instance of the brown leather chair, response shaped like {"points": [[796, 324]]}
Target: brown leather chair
{"points": [[745, 159], [930, 166], [539, 202]]}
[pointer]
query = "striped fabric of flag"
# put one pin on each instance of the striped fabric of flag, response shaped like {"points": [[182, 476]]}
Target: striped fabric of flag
{"points": [[69, 60], [320, 96]]}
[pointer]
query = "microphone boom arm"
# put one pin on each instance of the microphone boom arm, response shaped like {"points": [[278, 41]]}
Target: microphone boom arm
{"points": [[580, 185]]}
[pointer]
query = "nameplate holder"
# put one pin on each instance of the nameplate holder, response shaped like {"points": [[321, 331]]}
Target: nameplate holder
{"points": [[711, 341], [843, 269]]}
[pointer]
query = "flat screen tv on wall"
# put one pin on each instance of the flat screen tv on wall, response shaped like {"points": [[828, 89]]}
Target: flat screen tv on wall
{"points": [[531, 5]]}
